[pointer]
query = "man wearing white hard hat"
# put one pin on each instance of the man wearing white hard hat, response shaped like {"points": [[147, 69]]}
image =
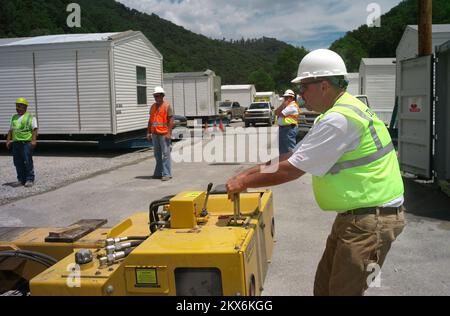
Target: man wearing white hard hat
{"points": [[356, 173], [159, 132], [287, 113]]}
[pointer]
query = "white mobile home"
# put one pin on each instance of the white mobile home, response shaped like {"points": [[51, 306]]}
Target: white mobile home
{"points": [[271, 97], [81, 84], [193, 94], [244, 94], [353, 83], [377, 81], [408, 46]]}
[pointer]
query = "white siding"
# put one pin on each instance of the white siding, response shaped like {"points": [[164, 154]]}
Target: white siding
{"points": [[127, 55], [190, 100], [353, 85], [379, 86], [191, 96], [16, 80], [94, 91], [409, 44], [244, 97], [169, 95], [204, 89], [408, 47], [56, 91], [178, 97]]}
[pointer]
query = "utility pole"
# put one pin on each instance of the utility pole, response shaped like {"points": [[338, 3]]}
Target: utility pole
{"points": [[425, 27]]}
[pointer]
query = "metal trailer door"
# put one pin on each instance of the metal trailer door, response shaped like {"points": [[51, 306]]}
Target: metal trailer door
{"points": [[415, 116], [442, 155]]}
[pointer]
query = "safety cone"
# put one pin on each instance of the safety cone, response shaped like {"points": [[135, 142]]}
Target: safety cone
{"points": [[221, 125]]}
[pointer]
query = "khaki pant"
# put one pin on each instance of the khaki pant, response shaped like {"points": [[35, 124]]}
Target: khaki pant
{"points": [[356, 244]]}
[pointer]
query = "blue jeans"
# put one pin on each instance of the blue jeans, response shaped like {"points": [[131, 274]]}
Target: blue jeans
{"points": [[161, 148], [287, 139], [23, 160]]}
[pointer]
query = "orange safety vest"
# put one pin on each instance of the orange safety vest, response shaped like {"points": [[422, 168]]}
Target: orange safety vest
{"points": [[291, 119], [159, 123]]}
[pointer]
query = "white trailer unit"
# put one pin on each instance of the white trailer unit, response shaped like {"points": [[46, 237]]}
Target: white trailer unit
{"points": [[193, 94], [244, 94], [267, 97], [353, 83], [377, 81], [408, 46], [81, 84]]}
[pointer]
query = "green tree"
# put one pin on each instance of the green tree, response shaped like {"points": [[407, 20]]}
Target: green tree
{"points": [[262, 80], [352, 51], [286, 66]]}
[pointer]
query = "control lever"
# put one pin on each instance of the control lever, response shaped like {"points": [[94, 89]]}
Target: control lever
{"points": [[237, 207], [204, 212]]}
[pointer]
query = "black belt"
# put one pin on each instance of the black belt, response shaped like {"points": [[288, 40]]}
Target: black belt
{"points": [[376, 210], [21, 142]]}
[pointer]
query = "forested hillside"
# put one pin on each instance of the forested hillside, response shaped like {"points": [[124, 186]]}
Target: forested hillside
{"points": [[266, 62], [383, 41]]}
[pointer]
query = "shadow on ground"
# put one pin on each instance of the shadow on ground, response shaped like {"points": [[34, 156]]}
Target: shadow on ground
{"points": [[71, 149], [426, 200]]}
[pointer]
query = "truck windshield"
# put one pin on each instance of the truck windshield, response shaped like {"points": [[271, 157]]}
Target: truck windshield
{"points": [[225, 105], [259, 106]]}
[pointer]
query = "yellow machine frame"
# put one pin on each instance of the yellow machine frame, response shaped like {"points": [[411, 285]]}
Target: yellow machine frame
{"points": [[224, 250]]}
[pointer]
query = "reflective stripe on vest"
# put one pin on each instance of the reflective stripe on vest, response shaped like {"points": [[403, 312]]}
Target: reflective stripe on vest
{"points": [[291, 119], [367, 176], [24, 130], [159, 120], [381, 151]]}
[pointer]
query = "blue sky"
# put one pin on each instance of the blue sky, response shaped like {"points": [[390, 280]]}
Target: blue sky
{"points": [[310, 23]]}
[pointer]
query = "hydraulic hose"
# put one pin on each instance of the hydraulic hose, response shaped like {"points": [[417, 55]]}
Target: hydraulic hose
{"points": [[153, 208], [42, 259], [137, 237], [40, 255]]}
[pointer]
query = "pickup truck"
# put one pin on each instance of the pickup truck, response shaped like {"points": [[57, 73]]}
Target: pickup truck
{"points": [[259, 112], [231, 110]]}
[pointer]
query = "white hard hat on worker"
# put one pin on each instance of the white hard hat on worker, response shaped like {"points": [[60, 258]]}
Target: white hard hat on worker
{"points": [[320, 63], [289, 93], [159, 90], [318, 73]]}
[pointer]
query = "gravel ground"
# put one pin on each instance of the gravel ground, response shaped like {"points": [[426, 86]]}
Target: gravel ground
{"points": [[58, 164]]}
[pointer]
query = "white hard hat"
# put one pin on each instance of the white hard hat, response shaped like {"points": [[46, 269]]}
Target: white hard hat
{"points": [[321, 63], [159, 90], [289, 93]]}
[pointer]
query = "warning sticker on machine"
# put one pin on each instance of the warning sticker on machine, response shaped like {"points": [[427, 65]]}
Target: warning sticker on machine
{"points": [[146, 276]]}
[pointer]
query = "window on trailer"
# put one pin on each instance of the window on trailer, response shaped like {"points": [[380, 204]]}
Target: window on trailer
{"points": [[141, 79]]}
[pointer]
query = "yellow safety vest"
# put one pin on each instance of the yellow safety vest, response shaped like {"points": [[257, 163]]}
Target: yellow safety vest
{"points": [[291, 119], [368, 176], [22, 132]]}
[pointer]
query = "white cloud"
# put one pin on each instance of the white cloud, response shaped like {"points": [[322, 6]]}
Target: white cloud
{"points": [[317, 22]]}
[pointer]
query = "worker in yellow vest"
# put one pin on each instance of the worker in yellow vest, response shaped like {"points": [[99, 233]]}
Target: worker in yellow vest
{"points": [[356, 173], [22, 137], [160, 133], [287, 114]]}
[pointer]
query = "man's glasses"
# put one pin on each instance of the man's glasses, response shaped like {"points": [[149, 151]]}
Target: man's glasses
{"points": [[158, 95], [304, 86]]}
